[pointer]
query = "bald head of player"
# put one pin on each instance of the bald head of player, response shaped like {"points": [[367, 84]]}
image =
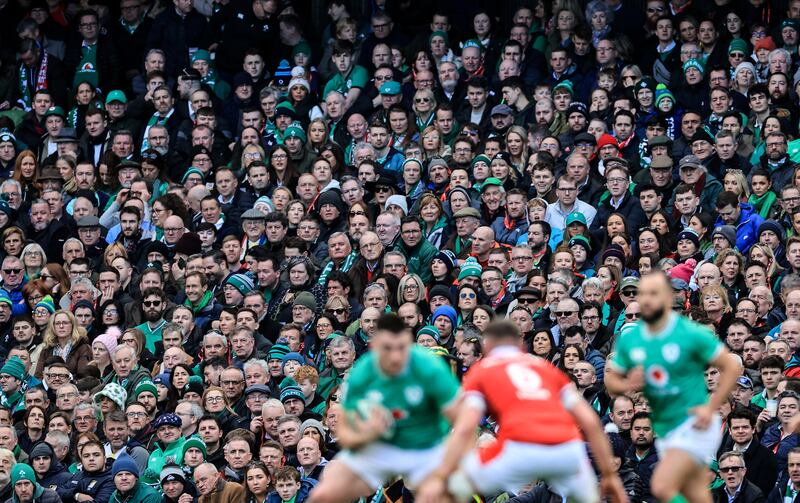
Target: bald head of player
{"points": [[654, 298], [500, 333], [392, 344]]}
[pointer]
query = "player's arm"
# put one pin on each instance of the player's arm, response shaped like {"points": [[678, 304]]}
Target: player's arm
{"points": [[465, 416], [618, 382], [354, 432]]}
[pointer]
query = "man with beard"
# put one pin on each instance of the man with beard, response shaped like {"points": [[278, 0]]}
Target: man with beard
{"points": [[165, 115], [131, 233], [642, 451], [117, 433], [780, 101], [451, 90], [48, 233], [154, 303], [477, 106], [776, 160], [688, 426]]}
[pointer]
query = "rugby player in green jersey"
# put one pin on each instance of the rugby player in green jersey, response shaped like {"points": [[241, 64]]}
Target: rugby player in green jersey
{"points": [[665, 356], [399, 401]]}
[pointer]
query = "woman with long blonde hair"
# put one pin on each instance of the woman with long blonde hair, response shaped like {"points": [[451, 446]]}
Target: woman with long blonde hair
{"points": [[65, 338]]}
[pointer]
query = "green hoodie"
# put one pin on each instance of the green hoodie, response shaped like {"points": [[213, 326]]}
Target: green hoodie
{"points": [[159, 458], [141, 493]]}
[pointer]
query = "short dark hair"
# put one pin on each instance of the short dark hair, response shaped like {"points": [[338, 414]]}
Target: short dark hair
{"points": [[390, 322], [501, 329], [771, 362], [727, 198]]}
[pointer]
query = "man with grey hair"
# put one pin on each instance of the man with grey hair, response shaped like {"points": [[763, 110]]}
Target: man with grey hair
{"points": [[127, 370], [190, 413], [736, 487], [387, 226], [706, 275], [256, 371], [212, 487], [341, 352], [60, 443]]}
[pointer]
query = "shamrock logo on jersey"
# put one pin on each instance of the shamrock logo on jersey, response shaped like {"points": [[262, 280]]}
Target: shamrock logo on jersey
{"points": [[671, 352], [657, 376], [413, 395]]}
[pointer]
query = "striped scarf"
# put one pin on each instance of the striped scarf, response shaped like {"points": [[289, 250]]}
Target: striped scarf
{"points": [[346, 265]]}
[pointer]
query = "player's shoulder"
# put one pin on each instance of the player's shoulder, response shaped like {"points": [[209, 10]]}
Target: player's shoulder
{"points": [[422, 362], [685, 326]]}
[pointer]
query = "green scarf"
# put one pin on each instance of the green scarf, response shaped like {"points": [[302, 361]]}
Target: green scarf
{"points": [[201, 305], [762, 205], [87, 68]]}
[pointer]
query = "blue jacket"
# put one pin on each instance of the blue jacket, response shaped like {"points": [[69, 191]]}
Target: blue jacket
{"points": [[97, 485], [772, 437], [594, 357], [306, 485], [746, 228], [509, 236], [18, 305]]}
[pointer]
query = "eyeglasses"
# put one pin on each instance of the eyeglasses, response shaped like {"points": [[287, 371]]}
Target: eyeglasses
{"points": [[353, 213], [55, 375], [62, 323], [564, 314], [653, 10], [231, 383], [465, 295], [134, 415], [730, 469], [412, 286], [590, 318], [172, 230], [214, 399]]}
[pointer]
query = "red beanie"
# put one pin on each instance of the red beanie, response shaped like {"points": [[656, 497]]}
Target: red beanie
{"points": [[765, 43], [607, 139]]}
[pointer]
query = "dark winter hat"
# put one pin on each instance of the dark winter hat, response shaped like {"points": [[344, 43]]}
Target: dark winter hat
{"points": [[691, 235], [290, 389], [167, 419], [189, 244], [440, 291], [125, 463], [726, 231], [41, 450], [613, 250], [774, 226], [449, 259]]}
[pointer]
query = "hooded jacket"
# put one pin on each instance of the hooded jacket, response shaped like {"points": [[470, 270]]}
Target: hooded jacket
{"points": [[141, 493], [746, 228]]}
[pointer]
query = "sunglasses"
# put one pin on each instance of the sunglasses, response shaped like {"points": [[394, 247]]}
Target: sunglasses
{"points": [[631, 316], [731, 469], [421, 100], [467, 295], [527, 300], [12, 271], [629, 293], [338, 310], [383, 189], [151, 303], [564, 314]]}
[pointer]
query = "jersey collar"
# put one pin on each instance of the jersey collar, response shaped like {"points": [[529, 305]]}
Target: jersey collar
{"points": [[668, 328]]}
